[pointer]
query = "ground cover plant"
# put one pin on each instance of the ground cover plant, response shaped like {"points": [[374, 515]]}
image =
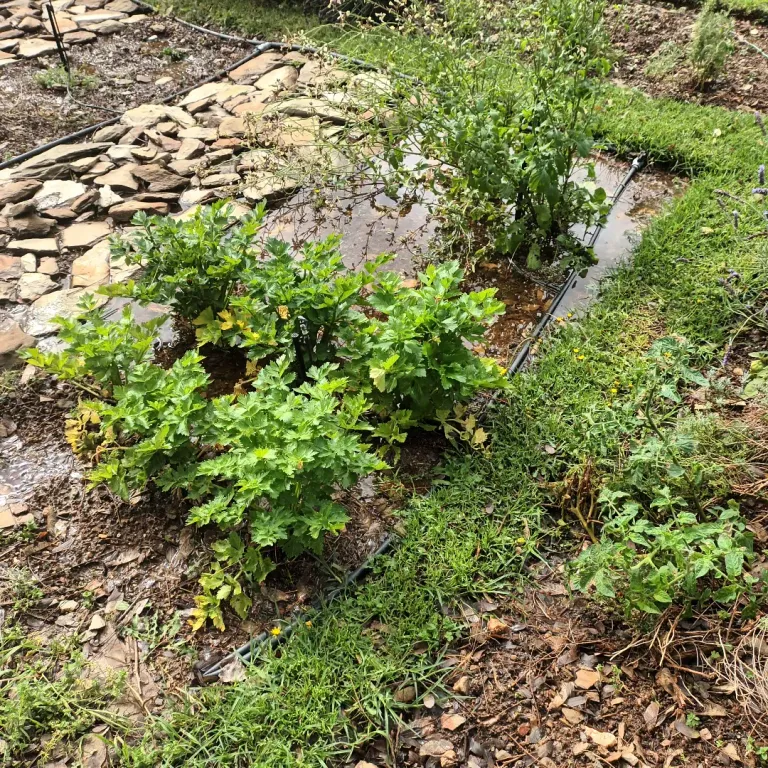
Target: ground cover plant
{"points": [[264, 462]]}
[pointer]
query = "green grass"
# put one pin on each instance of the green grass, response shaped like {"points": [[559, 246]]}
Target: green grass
{"points": [[334, 682]]}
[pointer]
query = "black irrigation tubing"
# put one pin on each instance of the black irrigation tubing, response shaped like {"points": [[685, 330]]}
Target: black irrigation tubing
{"points": [[245, 653]]}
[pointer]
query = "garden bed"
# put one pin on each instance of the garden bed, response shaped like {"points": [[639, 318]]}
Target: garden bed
{"points": [[652, 39]]}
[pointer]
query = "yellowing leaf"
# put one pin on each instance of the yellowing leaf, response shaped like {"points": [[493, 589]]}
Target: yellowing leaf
{"points": [[479, 437], [378, 375]]}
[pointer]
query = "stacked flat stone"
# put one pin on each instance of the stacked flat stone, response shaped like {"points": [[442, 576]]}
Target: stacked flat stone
{"points": [[25, 29], [224, 140]]}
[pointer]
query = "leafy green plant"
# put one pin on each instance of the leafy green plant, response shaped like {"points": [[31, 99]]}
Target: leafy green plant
{"points": [[503, 106], [757, 380], [97, 349], [334, 355], [711, 42], [648, 566], [174, 54], [57, 78], [190, 265]]}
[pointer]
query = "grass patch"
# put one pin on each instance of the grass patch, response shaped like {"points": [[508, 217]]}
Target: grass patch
{"points": [[57, 78], [334, 683]]}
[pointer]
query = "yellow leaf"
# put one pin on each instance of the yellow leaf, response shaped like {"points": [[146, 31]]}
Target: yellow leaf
{"points": [[479, 437]]}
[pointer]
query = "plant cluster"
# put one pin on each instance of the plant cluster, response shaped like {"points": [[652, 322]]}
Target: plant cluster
{"points": [[334, 356], [663, 541], [711, 42], [495, 135], [58, 78]]}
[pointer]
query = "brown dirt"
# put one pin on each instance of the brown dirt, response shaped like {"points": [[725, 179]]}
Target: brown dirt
{"points": [[639, 29], [550, 680], [116, 61]]}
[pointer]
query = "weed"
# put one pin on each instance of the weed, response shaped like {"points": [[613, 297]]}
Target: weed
{"points": [[665, 60], [174, 54], [47, 699], [692, 720], [711, 43], [57, 78], [21, 588]]}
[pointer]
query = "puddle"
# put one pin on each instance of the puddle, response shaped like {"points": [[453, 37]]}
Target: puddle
{"points": [[645, 196], [25, 466]]}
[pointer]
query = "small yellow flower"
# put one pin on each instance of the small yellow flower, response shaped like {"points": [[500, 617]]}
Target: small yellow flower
{"points": [[579, 357], [308, 624], [275, 631], [570, 314], [282, 310], [521, 540], [502, 370], [630, 385], [575, 349], [614, 390]]}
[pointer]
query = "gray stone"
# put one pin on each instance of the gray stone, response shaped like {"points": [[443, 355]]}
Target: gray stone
{"points": [[220, 180], [36, 46], [10, 267], [121, 179], [44, 245], [30, 225], [92, 268], [29, 262], [33, 285], [64, 153], [57, 193], [84, 234], [12, 337], [280, 79], [37, 322], [125, 211], [111, 132], [252, 70], [159, 179]]}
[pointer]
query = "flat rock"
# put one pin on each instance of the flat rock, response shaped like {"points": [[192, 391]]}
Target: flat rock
{"points": [[48, 266], [57, 192], [33, 285], [96, 17], [190, 149], [64, 153], [38, 320], [198, 132], [30, 225], [42, 245], [159, 179], [10, 267], [255, 68], [84, 234], [125, 211], [262, 187], [16, 191], [121, 179], [279, 79], [111, 132], [204, 92], [307, 107], [12, 337], [36, 46], [80, 37], [233, 127], [220, 180], [121, 6], [145, 115], [92, 268]]}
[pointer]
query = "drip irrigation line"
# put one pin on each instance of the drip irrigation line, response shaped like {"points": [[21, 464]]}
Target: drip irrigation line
{"points": [[246, 652]]}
